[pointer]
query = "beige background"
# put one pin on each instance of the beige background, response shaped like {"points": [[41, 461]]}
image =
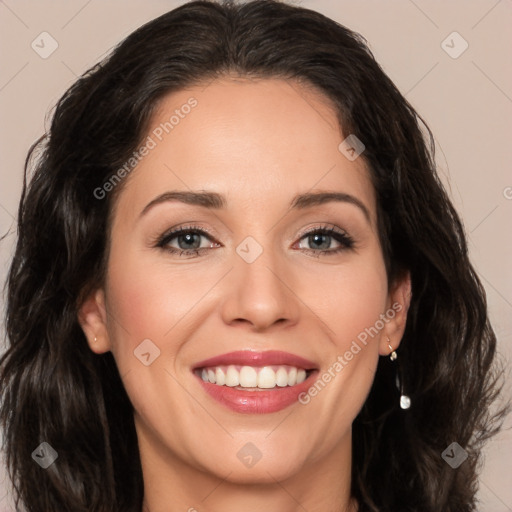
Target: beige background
{"points": [[467, 101]]}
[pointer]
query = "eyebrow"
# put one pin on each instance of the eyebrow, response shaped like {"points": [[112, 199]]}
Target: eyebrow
{"points": [[216, 201]]}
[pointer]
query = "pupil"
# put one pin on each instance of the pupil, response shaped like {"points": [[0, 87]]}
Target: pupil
{"points": [[319, 236], [188, 237]]}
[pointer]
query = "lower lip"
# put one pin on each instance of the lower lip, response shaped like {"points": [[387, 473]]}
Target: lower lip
{"points": [[257, 402]]}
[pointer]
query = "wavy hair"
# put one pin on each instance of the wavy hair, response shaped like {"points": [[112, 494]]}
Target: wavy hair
{"points": [[55, 389]]}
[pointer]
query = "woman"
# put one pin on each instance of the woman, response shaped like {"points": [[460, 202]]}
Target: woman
{"points": [[179, 341]]}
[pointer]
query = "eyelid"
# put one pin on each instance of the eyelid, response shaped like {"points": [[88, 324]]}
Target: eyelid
{"points": [[325, 226], [176, 231]]}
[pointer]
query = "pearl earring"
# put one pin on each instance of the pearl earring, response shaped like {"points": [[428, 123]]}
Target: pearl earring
{"points": [[393, 355], [405, 401]]}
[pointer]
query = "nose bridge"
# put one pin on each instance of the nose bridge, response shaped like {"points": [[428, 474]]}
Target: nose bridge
{"points": [[258, 292]]}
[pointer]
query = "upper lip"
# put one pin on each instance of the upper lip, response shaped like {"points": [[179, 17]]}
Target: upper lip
{"points": [[257, 358]]}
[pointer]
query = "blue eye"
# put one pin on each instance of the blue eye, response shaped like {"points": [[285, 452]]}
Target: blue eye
{"points": [[188, 239], [323, 237]]}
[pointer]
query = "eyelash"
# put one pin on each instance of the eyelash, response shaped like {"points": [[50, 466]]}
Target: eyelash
{"points": [[346, 241]]}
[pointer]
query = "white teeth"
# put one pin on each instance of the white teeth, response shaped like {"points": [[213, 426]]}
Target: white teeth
{"points": [[292, 377], [220, 377], [232, 377], [281, 378], [266, 377], [248, 377]]}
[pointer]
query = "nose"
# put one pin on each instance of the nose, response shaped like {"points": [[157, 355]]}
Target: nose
{"points": [[260, 294]]}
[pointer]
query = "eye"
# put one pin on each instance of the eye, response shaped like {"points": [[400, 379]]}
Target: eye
{"points": [[321, 239], [187, 239]]}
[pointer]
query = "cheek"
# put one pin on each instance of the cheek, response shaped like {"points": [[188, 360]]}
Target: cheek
{"points": [[351, 299], [353, 310], [147, 300]]}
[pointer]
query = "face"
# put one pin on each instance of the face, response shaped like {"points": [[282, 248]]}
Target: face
{"points": [[275, 292]]}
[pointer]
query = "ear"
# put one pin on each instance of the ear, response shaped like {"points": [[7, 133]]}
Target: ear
{"points": [[92, 317], [399, 300]]}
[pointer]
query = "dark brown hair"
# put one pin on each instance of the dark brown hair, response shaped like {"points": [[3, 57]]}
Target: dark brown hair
{"points": [[55, 389]]}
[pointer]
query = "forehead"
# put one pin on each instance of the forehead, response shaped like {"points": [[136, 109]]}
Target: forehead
{"points": [[262, 141]]}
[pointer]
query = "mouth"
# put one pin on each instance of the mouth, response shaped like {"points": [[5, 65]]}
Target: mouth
{"points": [[256, 382]]}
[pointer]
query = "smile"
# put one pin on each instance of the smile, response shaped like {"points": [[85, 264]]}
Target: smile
{"points": [[251, 377], [255, 382]]}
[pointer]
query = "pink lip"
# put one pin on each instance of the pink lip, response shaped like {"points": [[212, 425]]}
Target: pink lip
{"points": [[257, 402], [257, 358]]}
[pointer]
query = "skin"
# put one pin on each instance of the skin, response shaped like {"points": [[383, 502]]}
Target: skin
{"points": [[259, 143]]}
